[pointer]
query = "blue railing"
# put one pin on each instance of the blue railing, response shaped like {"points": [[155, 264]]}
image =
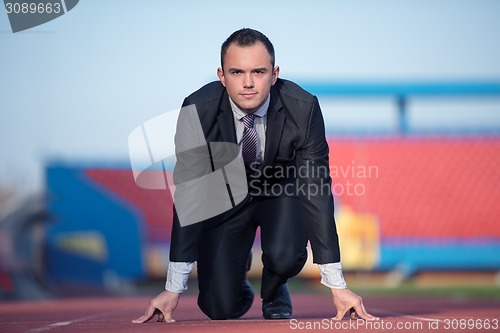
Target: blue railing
{"points": [[403, 91]]}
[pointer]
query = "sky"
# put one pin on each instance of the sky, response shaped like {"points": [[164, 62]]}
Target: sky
{"points": [[74, 88]]}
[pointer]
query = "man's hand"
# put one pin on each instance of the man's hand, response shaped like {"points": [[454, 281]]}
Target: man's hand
{"points": [[345, 300], [162, 305]]}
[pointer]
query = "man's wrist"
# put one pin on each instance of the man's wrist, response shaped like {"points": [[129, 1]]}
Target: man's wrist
{"points": [[177, 276], [331, 275]]}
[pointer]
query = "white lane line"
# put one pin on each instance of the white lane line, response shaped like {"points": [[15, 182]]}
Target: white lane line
{"points": [[66, 323], [62, 323], [402, 315]]}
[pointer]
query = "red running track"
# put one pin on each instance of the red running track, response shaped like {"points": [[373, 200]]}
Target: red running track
{"points": [[311, 314]]}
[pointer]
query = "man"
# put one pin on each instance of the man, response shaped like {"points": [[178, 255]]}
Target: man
{"points": [[280, 130]]}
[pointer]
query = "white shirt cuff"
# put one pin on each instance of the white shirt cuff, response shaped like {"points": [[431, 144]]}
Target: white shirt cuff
{"points": [[331, 275], [177, 276]]}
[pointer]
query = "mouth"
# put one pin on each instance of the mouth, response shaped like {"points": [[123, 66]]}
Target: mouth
{"points": [[248, 94]]}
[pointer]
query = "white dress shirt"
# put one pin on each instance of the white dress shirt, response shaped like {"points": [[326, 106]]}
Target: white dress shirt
{"points": [[260, 124]]}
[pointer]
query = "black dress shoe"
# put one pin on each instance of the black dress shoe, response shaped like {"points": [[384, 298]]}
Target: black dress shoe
{"points": [[280, 307], [246, 300]]}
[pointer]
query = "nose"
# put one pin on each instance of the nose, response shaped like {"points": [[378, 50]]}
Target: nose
{"points": [[248, 81]]}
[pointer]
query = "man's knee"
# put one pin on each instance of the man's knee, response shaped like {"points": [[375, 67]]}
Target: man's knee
{"points": [[285, 265], [216, 314], [217, 308]]}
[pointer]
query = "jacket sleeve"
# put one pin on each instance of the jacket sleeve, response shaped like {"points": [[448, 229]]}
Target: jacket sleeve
{"points": [[192, 162], [315, 190], [184, 241]]}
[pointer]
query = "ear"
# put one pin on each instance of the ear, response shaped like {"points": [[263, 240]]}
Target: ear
{"points": [[220, 74], [276, 72]]}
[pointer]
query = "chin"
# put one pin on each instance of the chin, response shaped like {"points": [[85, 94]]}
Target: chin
{"points": [[250, 106]]}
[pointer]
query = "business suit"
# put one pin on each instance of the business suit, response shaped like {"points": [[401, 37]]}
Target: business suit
{"points": [[295, 138]]}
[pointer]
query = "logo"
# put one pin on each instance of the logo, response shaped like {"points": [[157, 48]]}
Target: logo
{"points": [[208, 178], [26, 14]]}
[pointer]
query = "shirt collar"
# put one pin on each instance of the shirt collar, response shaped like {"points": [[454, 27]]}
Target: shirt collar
{"points": [[261, 112]]}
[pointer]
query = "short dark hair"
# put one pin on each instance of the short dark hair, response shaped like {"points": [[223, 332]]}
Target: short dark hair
{"points": [[246, 37]]}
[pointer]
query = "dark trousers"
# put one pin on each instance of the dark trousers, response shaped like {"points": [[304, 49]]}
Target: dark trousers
{"points": [[224, 251]]}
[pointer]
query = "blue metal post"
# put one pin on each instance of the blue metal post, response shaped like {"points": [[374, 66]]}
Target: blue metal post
{"points": [[403, 123]]}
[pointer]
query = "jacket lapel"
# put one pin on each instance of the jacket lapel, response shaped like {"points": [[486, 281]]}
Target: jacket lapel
{"points": [[225, 120], [275, 123]]}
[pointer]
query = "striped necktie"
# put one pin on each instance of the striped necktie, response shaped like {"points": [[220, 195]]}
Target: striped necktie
{"points": [[249, 140]]}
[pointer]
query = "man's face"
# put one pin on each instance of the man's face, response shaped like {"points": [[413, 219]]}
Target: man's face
{"points": [[248, 75]]}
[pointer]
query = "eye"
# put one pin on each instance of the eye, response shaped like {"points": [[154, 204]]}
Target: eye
{"points": [[235, 72]]}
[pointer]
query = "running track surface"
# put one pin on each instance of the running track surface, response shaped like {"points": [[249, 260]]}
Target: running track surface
{"points": [[415, 313]]}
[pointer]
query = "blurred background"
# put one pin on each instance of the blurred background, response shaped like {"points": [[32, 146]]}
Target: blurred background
{"points": [[410, 93]]}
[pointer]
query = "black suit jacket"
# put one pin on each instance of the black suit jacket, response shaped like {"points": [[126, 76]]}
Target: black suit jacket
{"points": [[295, 140]]}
